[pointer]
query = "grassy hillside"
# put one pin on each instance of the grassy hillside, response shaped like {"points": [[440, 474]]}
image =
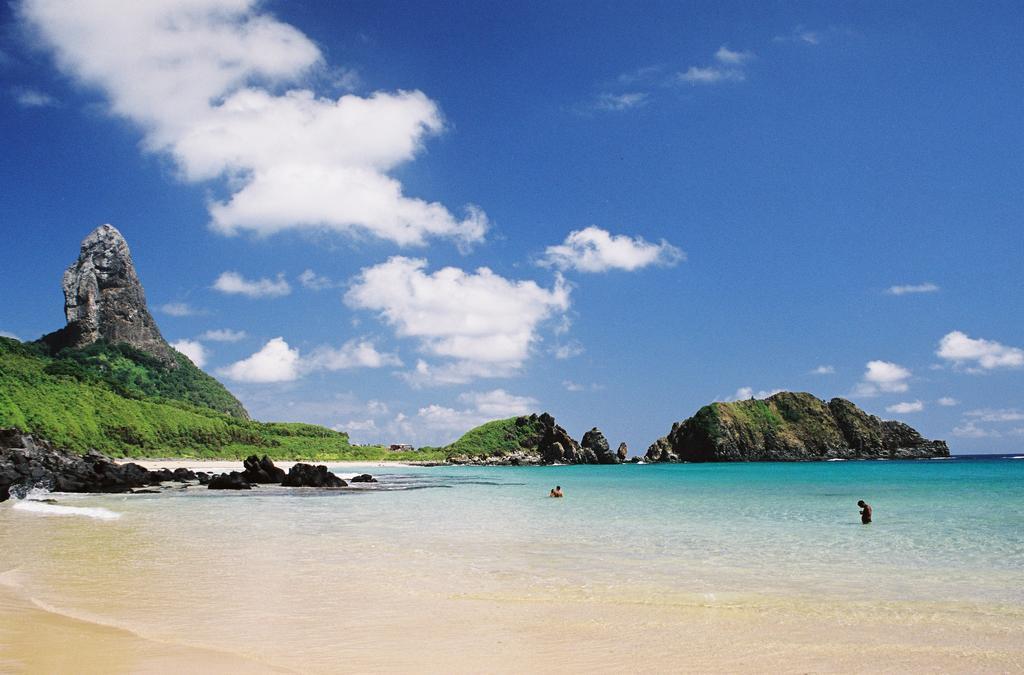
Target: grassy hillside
{"points": [[76, 407], [135, 374], [494, 439]]}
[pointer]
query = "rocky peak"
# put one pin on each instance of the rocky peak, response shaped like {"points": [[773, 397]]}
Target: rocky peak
{"points": [[595, 442], [104, 300]]}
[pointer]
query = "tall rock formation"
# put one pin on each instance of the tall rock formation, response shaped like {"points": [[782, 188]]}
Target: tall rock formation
{"points": [[789, 426], [104, 300], [595, 443]]}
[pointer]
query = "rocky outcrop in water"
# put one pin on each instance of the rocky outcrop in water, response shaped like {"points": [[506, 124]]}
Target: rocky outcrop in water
{"points": [[307, 475], [363, 478], [229, 481], [104, 300], [261, 470], [623, 452], [27, 461], [597, 445], [789, 426]]}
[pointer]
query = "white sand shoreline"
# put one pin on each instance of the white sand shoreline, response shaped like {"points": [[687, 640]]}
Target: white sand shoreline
{"points": [[222, 465]]}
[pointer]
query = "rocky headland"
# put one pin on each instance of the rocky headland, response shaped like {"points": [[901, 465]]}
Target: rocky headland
{"points": [[529, 440], [789, 426]]}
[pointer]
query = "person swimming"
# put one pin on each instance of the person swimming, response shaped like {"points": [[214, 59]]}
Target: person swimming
{"points": [[556, 491], [865, 513]]}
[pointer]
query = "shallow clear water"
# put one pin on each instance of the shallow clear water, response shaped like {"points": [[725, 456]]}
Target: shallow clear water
{"points": [[292, 561]]}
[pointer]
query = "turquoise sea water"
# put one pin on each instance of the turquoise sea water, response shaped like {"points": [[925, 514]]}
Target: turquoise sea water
{"points": [[487, 553]]}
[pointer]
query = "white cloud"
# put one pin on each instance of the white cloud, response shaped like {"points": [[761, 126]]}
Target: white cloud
{"points": [[996, 415], [824, 370], [595, 250], [960, 349], [572, 386], [274, 362], [200, 77], [223, 335], [971, 430], [234, 283], [352, 354], [745, 393], [802, 35], [33, 98], [625, 101], [315, 282], [479, 408], [711, 75], [6, 334], [194, 350], [730, 57], [912, 288], [357, 426], [905, 407], [883, 376], [180, 309], [948, 401], [568, 350], [483, 322]]}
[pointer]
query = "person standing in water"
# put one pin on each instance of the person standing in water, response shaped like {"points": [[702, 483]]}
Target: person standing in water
{"points": [[865, 512], [557, 491]]}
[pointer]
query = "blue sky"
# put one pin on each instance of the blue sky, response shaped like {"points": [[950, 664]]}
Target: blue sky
{"points": [[674, 203]]}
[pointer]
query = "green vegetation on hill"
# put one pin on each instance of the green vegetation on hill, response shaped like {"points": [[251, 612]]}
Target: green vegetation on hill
{"points": [[77, 404], [494, 439], [135, 374]]}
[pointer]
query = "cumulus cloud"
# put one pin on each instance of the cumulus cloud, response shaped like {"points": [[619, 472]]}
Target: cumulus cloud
{"points": [[745, 393], [905, 407], [912, 288], [477, 408], [6, 334], [970, 429], [482, 323], [223, 335], [180, 309], [33, 98], [276, 361], [202, 78], [193, 349], [978, 354], [595, 250], [883, 376], [315, 282], [352, 354], [948, 401], [234, 283], [824, 370]]}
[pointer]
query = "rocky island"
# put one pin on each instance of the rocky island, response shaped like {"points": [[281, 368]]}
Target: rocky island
{"points": [[789, 426], [530, 440]]}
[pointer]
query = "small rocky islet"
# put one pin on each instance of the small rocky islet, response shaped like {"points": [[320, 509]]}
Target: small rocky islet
{"points": [[105, 308]]}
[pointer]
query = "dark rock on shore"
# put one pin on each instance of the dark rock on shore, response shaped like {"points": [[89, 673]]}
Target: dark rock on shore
{"points": [[307, 475], [363, 478], [789, 426], [26, 461], [262, 470], [229, 481]]}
